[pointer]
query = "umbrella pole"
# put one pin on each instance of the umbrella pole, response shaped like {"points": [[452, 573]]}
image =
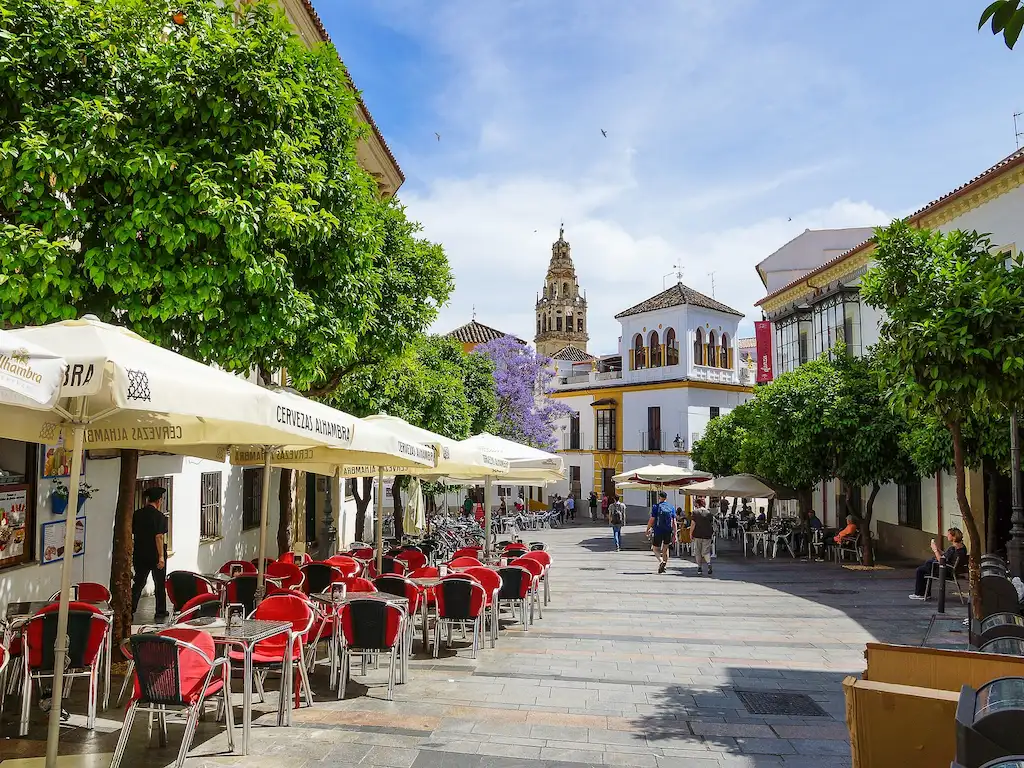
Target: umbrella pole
{"points": [[61, 645], [264, 507], [487, 518], [380, 518]]}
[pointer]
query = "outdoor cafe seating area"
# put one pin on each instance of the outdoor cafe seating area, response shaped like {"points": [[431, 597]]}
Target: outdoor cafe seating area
{"points": [[301, 633]]}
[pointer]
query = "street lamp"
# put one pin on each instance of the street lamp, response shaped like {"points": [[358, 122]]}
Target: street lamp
{"points": [[678, 442]]}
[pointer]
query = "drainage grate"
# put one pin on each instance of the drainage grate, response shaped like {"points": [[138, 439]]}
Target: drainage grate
{"points": [[792, 704], [838, 591], [593, 569]]}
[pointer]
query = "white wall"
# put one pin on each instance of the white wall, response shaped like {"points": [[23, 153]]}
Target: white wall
{"points": [[38, 582]]}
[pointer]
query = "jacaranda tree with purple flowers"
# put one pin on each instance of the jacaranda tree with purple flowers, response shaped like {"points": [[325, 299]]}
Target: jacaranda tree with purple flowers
{"points": [[522, 381]]}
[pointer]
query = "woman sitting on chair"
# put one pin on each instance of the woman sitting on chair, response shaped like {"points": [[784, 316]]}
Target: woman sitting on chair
{"points": [[955, 553]]}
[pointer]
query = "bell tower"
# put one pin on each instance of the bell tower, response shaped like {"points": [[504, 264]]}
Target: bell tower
{"points": [[561, 310]]}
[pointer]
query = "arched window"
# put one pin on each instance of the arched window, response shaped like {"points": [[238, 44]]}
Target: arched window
{"points": [[569, 325], [579, 324], [725, 353], [558, 321], [655, 347], [698, 347], [671, 348], [712, 354], [545, 323], [538, 325], [638, 353], [565, 289]]}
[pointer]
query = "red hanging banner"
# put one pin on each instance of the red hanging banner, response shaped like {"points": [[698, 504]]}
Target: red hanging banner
{"points": [[763, 334]]}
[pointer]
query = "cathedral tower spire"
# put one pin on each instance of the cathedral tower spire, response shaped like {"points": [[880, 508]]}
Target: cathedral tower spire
{"points": [[561, 310]]}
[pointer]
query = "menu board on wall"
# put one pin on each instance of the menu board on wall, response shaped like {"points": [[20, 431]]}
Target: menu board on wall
{"points": [[13, 511], [52, 544]]}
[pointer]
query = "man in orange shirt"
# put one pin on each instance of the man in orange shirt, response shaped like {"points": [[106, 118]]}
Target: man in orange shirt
{"points": [[849, 531]]}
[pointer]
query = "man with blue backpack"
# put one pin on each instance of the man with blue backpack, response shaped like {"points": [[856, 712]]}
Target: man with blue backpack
{"points": [[663, 529]]}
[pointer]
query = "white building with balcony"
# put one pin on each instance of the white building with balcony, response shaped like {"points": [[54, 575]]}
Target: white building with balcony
{"points": [[677, 368], [814, 303]]}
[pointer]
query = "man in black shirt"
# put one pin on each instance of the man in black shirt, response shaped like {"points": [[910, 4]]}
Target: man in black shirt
{"points": [[702, 531], [149, 530]]}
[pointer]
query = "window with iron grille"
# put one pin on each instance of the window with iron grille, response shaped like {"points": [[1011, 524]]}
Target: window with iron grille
{"points": [[716, 411], [168, 508], [908, 504], [210, 512], [606, 429], [252, 496]]}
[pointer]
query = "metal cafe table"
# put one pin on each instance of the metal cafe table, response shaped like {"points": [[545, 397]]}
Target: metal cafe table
{"points": [[244, 634], [19, 613]]}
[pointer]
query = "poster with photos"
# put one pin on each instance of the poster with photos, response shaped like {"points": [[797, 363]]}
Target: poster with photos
{"points": [[57, 461], [13, 511], [53, 540]]}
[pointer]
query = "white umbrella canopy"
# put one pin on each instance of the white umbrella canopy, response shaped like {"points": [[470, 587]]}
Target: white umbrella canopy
{"points": [[660, 474], [30, 376], [120, 391], [742, 486], [453, 457]]}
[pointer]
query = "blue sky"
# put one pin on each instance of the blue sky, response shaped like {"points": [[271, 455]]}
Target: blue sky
{"points": [[732, 126]]}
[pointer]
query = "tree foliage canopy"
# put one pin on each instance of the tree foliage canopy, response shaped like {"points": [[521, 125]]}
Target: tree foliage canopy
{"points": [[1006, 18], [198, 182]]}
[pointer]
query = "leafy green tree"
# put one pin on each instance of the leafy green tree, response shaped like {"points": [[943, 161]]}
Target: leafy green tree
{"points": [[867, 438], [951, 344], [435, 385], [1007, 18], [193, 175], [719, 450]]}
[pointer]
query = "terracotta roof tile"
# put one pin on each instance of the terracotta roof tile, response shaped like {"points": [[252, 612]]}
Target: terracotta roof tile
{"points": [[572, 354], [477, 333], [675, 296]]}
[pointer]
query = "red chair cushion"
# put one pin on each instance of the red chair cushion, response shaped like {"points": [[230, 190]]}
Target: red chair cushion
{"points": [[289, 574], [91, 592], [464, 562], [358, 584], [459, 598], [192, 667], [488, 578], [370, 624], [348, 566], [86, 630]]}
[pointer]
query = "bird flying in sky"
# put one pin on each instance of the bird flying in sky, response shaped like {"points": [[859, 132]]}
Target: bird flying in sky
{"points": [[604, 133], [438, 135]]}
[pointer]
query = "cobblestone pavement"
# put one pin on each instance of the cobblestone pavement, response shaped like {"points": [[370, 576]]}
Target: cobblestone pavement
{"points": [[626, 668]]}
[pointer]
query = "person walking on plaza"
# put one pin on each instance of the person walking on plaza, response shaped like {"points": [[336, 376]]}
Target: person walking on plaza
{"points": [[617, 517], [593, 506], [467, 507], [604, 507], [702, 530], [663, 529], [570, 508], [149, 531]]}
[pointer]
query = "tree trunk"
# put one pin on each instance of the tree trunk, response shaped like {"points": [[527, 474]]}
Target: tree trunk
{"points": [[974, 560], [867, 557], [991, 506], [362, 503], [121, 568], [286, 503], [398, 514]]}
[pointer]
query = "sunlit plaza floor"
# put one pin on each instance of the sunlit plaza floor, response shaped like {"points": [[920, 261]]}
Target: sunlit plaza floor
{"points": [[627, 668]]}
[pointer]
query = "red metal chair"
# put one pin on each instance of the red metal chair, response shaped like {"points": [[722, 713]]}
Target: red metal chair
{"points": [[284, 651], [536, 571], [266, 561], [468, 552], [465, 562], [297, 559], [400, 586], [370, 627], [358, 584], [176, 668], [240, 566], [182, 586], [291, 575], [388, 565], [491, 582], [460, 600], [319, 577], [412, 558], [361, 553], [347, 564], [87, 632], [516, 585], [241, 590], [544, 559], [515, 550], [86, 592]]}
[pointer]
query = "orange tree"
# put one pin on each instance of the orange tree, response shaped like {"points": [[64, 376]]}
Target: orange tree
{"points": [[951, 343], [193, 175]]}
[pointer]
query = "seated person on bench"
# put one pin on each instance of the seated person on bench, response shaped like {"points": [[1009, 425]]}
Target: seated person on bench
{"points": [[955, 553]]}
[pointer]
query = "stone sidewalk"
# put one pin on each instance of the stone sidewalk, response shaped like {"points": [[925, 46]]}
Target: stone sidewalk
{"points": [[626, 668]]}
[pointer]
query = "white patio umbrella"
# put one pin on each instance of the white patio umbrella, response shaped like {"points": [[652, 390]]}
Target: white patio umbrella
{"points": [[660, 475], [120, 391], [742, 486], [30, 376], [527, 466]]}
